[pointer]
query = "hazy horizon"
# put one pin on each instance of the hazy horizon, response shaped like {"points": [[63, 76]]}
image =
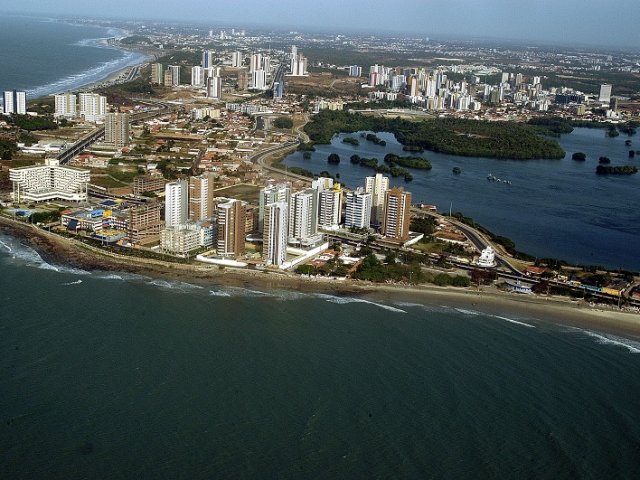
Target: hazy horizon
{"points": [[569, 22]]}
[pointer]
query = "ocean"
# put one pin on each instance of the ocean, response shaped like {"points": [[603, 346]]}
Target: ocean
{"points": [[552, 208], [45, 56], [108, 375]]}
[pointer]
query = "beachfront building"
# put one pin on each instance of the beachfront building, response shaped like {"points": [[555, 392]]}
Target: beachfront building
{"points": [[273, 192], [145, 223], [329, 203], [65, 105], [230, 225], [148, 183], [176, 203], [201, 197], [397, 214], [274, 246], [377, 186], [487, 258], [93, 107], [51, 181], [303, 217], [116, 129], [179, 240], [358, 209], [15, 101]]}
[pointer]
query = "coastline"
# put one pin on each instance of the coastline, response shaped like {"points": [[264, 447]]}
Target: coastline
{"points": [[487, 300], [114, 70]]}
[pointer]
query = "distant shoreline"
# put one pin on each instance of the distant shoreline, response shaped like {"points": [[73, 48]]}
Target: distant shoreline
{"points": [[552, 309], [133, 58]]}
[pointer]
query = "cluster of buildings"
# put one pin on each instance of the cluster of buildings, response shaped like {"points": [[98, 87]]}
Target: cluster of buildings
{"points": [[91, 107]]}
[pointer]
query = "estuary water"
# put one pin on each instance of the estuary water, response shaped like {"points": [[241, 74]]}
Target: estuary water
{"points": [[552, 208], [106, 375], [44, 56]]}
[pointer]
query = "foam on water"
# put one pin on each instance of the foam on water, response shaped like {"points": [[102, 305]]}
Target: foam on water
{"points": [[346, 300], [606, 339], [77, 282], [511, 320], [179, 287], [31, 258], [466, 312], [219, 293]]}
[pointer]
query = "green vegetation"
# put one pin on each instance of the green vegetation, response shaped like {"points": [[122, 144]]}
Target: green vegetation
{"points": [[418, 163], [301, 171], [375, 139], [553, 126], [307, 147], [447, 135], [373, 164], [283, 122], [456, 170], [579, 156], [413, 148], [306, 155], [7, 149], [604, 160], [426, 225], [27, 122], [352, 141], [333, 158], [613, 132], [621, 170]]}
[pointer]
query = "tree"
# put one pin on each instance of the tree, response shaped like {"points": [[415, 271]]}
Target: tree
{"points": [[283, 122], [579, 156], [333, 158]]}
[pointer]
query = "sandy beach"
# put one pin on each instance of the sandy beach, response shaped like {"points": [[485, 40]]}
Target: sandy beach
{"points": [[559, 310]]}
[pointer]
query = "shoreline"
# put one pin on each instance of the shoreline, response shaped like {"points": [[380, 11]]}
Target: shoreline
{"points": [[132, 59], [487, 300]]}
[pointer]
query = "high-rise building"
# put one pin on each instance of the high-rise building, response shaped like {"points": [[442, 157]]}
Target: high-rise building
{"points": [[157, 74], [377, 186], [208, 58], [272, 193], [605, 93], [303, 216], [197, 76], [259, 80], [255, 62], [330, 204], [201, 197], [214, 88], [65, 105], [278, 90], [243, 79], [176, 207], [237, 59], [298, 65], [231, 223], [397, 214], [93, 107], [116, 129], [172, 76], [358, 209], [15, 101], [274, 246], [355, 71]]}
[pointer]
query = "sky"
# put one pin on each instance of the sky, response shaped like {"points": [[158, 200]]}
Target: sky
{"points": [[592, 22]]}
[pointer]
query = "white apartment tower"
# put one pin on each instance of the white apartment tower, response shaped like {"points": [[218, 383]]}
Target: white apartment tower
{"points": [[93, 107], [275, 233], [65, 105], [237, 59], [358, 210], [208, 58], [377, 186], [214, 88], [605, 93], [176, 205], [330, 207], [157, 74], [272, 193], [303, 216], [259, 80], [15, 101], [197, 77]]}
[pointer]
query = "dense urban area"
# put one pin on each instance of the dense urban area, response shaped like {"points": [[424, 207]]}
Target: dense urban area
{"points": [[179, 159]]}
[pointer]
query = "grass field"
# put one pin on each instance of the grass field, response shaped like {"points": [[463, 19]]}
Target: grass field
{"points": [[247, 193]]}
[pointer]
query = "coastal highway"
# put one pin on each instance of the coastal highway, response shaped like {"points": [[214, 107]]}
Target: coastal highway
{"points": [[98, 133]]}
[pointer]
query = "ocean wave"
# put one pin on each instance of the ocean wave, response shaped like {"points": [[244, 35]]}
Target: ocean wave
{"points": [[219, 293], [347, 300], [88, 76], [31, 258], [177, 286], [466, 312], [606, 339], [511, 320], [77, 282]]}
